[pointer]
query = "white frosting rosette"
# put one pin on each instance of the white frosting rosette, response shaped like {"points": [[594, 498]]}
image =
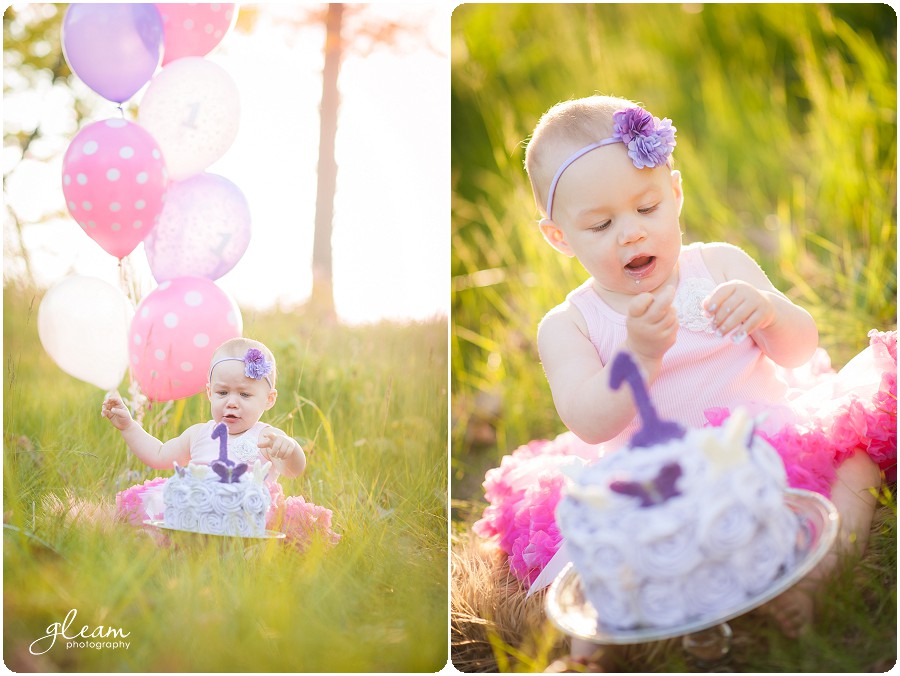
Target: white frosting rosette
{"points": [[242, 523], [661, 601], [256, 500], [673, 554], [186, 519], [212, 523], [725, 526], [176, 493], [760, 562], [226, 498], [615, 607], [200, 495], [712, 588]]}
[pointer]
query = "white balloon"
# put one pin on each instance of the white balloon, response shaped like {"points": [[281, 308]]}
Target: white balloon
{"points": [[83, 325], [192, 108]]}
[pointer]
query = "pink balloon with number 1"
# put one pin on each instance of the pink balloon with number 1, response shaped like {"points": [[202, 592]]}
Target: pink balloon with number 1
{"points": [[174, 333], [114, 181]]}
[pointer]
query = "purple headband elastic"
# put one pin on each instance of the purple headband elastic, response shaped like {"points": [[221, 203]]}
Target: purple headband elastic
{"points": [[256, 365], [650, 142]]}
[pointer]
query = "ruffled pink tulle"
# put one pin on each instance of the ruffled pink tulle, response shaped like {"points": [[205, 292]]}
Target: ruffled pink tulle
{"points": [[130, 504], [813, 450], [524, 490], [300, 521]]}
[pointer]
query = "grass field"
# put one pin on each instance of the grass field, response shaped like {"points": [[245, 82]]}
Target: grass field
{"points": [[786, 118], [370, 406]]}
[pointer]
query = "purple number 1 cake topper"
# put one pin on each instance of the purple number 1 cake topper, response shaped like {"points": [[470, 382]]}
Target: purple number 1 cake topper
{"points": [[655, 430], [224, 467]]}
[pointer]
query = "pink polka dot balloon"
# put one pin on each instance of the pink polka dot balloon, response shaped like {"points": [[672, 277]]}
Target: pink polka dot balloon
{"points": [[203, 230], [193, 29], [175, 330], [114, 181]]}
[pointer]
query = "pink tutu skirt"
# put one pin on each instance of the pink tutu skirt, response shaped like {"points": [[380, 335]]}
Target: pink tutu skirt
{"points": [[830, 417], [302, 522]]}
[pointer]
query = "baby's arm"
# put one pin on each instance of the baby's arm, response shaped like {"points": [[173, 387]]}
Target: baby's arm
{"points": [[147, 448], [579, 381], [284, 452], [747, 301]]}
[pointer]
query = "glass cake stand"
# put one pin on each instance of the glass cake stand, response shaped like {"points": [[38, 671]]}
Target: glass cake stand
{"points": [[266, 535], [707, 640]]}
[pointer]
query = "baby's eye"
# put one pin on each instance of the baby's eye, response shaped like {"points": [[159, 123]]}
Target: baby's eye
{"points": [[648, 210], [600, 226], [246, 395], [221, 393]]}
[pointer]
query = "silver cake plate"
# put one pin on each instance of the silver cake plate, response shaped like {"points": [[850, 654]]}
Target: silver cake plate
{"points": [[568, 609], [267, 535]]}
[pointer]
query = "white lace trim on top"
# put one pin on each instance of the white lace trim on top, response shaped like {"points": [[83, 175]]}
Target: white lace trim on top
{"points": [[688, 304]]}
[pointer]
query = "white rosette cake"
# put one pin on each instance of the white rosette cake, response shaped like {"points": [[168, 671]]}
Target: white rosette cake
{"points": [[680, 527], [197, 500]]}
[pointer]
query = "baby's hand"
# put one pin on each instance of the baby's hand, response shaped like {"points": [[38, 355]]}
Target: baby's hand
{"points": [[278, 445], [740, 307], [652, 324], [115, 410]]}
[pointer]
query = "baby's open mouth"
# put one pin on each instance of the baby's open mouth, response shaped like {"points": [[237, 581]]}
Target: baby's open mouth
{"points": [[640, 262]]}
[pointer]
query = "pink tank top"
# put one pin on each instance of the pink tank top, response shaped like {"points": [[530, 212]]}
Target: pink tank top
{"points": [[701, 370], [242, 448]]}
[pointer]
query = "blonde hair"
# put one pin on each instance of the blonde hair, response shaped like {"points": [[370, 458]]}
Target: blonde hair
{"points": [[567, 126], [237, 347]]}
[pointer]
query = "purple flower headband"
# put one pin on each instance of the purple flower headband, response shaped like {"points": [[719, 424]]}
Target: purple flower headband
{"points": [[255, 365], [650, 142]]}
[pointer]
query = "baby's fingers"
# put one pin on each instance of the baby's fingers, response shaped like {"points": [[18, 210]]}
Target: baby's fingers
{"points": [[639, 305], [719, 298]]}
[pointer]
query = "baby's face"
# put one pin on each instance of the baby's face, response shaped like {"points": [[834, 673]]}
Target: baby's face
{"points": [[619, 221], [235, 399]]}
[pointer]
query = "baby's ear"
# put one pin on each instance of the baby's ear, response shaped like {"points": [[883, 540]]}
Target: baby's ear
{"points": [[270, 400], [555, 237]]}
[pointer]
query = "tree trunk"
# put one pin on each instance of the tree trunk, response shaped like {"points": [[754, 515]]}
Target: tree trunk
{"points": [[322, 299]]}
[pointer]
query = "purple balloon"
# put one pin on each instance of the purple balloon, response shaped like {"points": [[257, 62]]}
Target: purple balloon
{"points": [[114, 48], [202, 231]]}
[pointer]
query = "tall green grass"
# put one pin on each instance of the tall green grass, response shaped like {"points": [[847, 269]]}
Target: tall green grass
{"points": [[370, 406], [786, 118]]}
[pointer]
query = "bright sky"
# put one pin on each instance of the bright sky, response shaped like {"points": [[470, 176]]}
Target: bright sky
{"points": [[391, 226]]}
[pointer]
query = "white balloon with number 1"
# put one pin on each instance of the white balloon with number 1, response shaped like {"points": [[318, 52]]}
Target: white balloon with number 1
{"points": [[192, 108]]}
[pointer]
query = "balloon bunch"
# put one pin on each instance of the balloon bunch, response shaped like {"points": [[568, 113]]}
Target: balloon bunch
{"points": [[127, 182]]}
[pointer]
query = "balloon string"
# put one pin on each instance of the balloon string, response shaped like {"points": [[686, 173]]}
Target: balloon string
{"points": [[127, 284]]}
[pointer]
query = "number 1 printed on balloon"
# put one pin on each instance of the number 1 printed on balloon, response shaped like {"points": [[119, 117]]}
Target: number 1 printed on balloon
{"points": [[192, 116]]}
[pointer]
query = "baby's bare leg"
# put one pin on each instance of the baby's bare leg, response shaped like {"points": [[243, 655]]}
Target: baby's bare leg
{"points": [[853, 495]]}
